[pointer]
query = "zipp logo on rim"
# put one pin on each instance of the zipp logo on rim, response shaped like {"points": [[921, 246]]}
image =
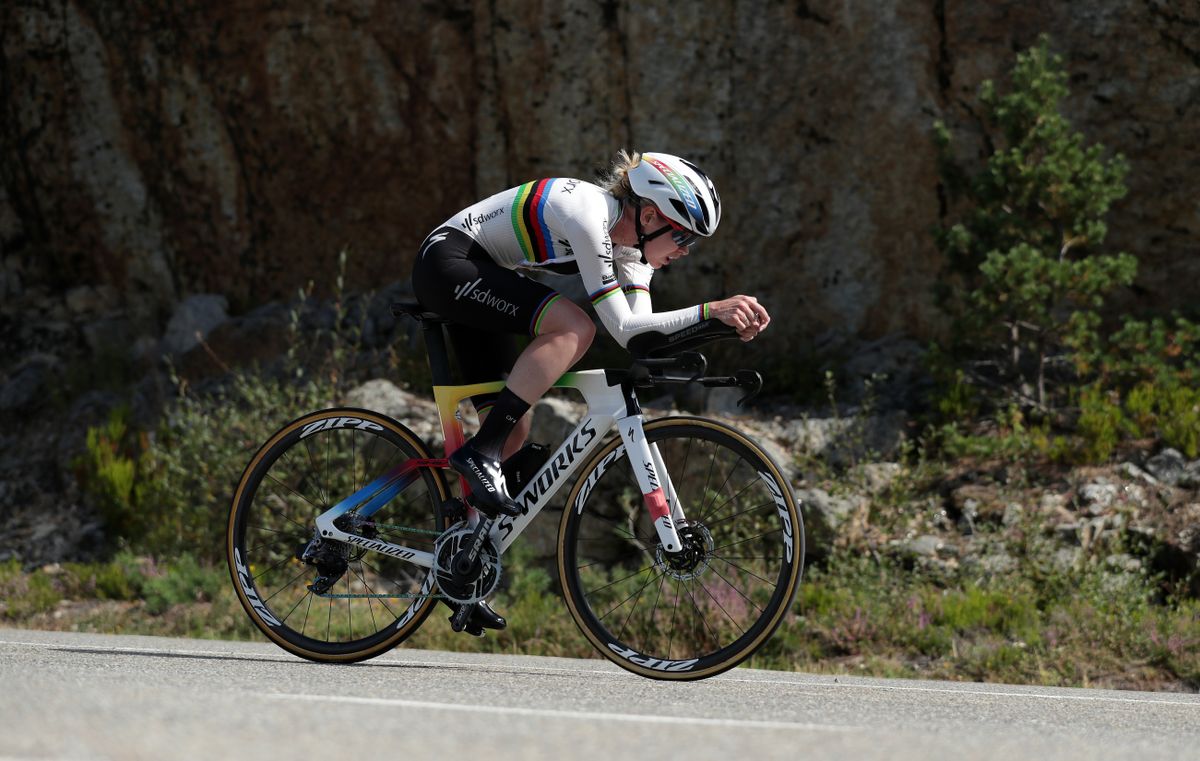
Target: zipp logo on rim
{"points": [[781, 508], [658, 664], [470, 292], [340, 422], [243, 575]]}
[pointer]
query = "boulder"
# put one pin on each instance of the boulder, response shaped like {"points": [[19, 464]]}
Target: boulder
{"points": [[1167, 466], [193, 319], [382, 396]]}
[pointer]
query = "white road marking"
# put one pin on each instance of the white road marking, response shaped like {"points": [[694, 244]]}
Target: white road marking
{"points": [[397, 661], [986, 693], [554, 713]]}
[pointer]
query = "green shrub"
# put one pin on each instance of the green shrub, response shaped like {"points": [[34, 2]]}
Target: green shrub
{"points": [[110, 468], [26, 594], [182, 581], [1101, 424]]}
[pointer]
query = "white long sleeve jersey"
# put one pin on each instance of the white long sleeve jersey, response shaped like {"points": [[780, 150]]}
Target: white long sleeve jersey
{"points": [[560, 220]]}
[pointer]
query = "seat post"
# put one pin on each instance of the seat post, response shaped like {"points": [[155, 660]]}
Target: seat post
{"points": [[435, 348]]}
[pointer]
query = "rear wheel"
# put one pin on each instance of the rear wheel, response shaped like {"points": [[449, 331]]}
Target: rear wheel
{"points": [[326, 600], [701, 611]]}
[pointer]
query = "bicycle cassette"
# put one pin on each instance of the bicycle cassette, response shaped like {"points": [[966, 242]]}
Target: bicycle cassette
{"points": [[479, 581]]}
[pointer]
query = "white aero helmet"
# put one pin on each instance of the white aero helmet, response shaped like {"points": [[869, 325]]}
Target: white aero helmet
{"points": [[678, 189]]}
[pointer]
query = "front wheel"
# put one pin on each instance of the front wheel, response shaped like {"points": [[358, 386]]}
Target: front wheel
{"points": [[701, 611]]}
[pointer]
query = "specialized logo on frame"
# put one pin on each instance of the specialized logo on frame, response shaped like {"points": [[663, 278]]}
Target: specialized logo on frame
{"points": [[470, 291]]}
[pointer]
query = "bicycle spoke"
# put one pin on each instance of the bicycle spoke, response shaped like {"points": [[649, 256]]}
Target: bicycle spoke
{"points": [[313, 469], [734, 498], [297, 605], [743, 570], [618, 581], [674, 612], [285, 586], [633, 607], [298, 494], [705, 512], [722, 607], [256, 577], [743, 541], [735, 589], [700, 613], [731, 517], [654, 608], [304, 627], [627, 599]]}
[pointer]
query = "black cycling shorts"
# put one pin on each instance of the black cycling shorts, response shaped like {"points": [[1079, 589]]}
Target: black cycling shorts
{"points": [[488, 305]]}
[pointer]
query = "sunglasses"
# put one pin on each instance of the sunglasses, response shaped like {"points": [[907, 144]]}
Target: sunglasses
{"points": [[679, 236]]}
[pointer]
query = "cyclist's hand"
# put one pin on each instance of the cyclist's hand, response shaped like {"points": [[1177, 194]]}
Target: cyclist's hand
{"points": [[743, 313]]}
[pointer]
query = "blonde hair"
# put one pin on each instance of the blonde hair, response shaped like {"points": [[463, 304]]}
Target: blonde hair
{"points": [[616, 179]]}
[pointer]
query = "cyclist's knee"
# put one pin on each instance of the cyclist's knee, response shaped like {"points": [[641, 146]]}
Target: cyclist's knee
{"points": [[567, 319]]}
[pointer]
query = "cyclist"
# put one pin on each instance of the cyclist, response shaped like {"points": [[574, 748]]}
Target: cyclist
{"points": [[645, 213]]}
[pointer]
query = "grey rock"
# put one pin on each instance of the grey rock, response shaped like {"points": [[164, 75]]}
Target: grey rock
{"points": [[1167, 466], [723, 401], [847, 440], [1123, 562], [1097, 497], [877, 477], [194, 317], [1013, 513], [1133, 471], [996, 563], [1068, 533], [1067, 558], [108, 336], [87, 299], [1051, 502], [926, 545], [24, 389], [553, 419], [1190, 478], [382, 396], [825, 515]]}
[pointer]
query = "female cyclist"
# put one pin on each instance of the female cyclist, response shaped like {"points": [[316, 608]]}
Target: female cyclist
{"points": [[648, 211]]}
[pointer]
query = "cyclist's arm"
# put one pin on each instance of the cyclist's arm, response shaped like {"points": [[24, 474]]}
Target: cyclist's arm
{"points": [[593, 252], [634, 278]]}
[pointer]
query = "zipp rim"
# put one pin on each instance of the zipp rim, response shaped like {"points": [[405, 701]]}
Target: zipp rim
{"points": [[283, 439], [762, 629]]}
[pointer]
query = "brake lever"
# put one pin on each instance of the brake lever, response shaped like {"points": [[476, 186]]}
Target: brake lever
{"points": [[748, 378]]}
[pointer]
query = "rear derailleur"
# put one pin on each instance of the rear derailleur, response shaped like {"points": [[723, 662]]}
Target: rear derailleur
{"points": [[330, 557]]}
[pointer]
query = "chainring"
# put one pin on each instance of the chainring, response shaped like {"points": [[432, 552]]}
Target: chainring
{"points": [[484, 576]]}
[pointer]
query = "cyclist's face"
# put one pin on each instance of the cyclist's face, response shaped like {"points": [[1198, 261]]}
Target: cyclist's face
{"points": [[663, 249]]}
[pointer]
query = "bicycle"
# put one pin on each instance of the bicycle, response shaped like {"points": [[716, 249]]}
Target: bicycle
{"points": [[346, 512]]}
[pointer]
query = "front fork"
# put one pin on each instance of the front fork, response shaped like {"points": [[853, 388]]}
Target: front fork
{"points": [[658, 492]]}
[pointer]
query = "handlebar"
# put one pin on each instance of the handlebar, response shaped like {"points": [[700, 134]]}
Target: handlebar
{"points": [[664, 359]]}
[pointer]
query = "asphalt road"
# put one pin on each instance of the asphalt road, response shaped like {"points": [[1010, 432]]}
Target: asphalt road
{"points": [[83, 696]]}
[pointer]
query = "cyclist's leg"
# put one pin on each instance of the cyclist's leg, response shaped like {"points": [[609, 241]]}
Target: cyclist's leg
{"points": [[457, 278], [486, 357], [563, 336]]}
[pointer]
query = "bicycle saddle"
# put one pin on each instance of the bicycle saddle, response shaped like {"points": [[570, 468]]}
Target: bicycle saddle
{"points": [[412, 308]]}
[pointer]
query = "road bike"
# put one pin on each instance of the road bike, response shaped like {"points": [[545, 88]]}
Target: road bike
{"points": [[679, 550]]}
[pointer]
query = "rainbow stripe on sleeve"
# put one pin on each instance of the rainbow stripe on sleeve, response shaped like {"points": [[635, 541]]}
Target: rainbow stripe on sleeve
{"points": [[636, 288], [529, 221], [604, 293]]}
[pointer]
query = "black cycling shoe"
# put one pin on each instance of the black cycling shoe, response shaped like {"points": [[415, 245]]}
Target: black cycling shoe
{"points": [[485, 478], [482, 617]]}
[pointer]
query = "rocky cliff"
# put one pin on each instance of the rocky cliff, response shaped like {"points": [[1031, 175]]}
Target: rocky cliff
{"points": [[168, 148]]}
